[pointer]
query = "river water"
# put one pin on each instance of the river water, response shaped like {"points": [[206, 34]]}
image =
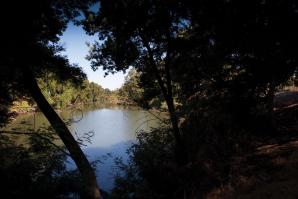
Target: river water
{"points": [[114, 130]]}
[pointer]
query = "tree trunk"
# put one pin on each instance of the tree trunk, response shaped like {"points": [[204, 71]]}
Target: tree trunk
{"points": [[90, 189], [270, 105], [181, 154], [168, 96]]}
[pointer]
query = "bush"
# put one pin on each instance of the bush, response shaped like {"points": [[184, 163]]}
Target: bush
{"points": [[35, 170]]}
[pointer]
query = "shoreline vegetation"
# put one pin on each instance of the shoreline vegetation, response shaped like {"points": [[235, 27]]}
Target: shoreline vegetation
{"points": [[19, 108], [66, 95]]}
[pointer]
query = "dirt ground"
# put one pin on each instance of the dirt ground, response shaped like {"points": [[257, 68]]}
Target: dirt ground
{"points": [[272, 170]]}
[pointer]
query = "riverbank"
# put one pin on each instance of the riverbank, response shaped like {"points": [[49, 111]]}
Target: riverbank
{"points": [[269, 172], [23, 107]]}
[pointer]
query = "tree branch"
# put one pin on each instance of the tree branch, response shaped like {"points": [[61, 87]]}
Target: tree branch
{"points": [[154, 67], [38, 135]]}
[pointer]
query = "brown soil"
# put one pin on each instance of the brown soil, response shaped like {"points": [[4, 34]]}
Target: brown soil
{"points": [[272, 170]]}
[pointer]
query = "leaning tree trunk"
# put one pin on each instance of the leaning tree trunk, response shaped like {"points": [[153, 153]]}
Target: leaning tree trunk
{"points": [[90, 189]]}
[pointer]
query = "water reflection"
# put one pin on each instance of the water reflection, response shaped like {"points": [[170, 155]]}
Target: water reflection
{"points": [[114, 131], [112, 126]]}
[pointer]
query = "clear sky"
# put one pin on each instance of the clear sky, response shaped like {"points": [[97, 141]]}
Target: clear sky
{"points": [[74, 41]]}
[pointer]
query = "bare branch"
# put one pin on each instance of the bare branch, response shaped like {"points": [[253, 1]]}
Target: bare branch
{"points": [[39, 136]]}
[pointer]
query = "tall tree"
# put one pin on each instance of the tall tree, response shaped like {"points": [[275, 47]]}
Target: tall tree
{"points": [[139, 34], [29, 46], [237, 52]]}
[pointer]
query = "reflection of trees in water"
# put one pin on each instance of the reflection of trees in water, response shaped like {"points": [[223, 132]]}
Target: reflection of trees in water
{"points": [[137, 119], [148, 120], [76, 115], [36, 120]]}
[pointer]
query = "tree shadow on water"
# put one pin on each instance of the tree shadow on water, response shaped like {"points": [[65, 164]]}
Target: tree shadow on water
{"points": [[104, 161]]}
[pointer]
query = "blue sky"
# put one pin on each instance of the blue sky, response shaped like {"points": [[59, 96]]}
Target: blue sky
{"points": [[74, 41]]}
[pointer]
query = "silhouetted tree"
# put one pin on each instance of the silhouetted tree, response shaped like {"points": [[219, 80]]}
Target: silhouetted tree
{"points": [[29, 46], [223, 58], [140, 34]]}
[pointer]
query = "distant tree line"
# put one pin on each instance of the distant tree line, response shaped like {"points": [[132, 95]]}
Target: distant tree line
{"points": [[62, 94]]}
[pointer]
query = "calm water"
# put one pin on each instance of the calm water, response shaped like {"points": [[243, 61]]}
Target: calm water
{"points": [[114, 131]]}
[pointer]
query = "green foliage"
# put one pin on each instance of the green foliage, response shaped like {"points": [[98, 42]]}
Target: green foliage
{"points": [[146, 42], [61, 94], [150, 173], [29, 44], [35, 170], [131, 92]]}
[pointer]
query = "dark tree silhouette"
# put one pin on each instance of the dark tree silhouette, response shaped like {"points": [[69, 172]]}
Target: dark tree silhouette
{"points": [[223, 58], [29, 46], [140, 34]]}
